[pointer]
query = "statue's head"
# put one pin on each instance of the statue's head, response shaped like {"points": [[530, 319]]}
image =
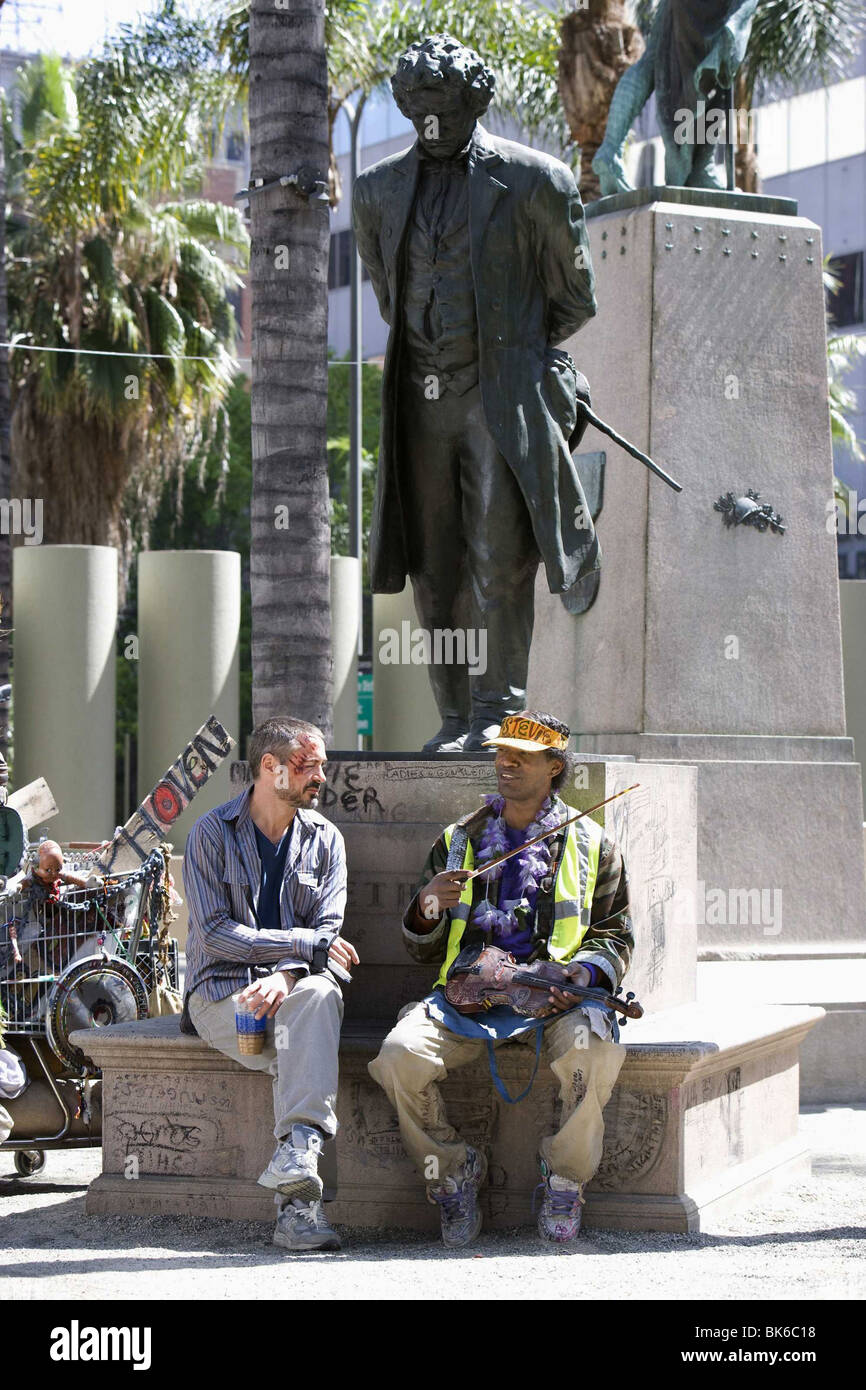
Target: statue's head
{"points": [[442, 87]]}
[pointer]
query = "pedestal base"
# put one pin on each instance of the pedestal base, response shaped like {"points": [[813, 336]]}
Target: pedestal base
{"points": [[831, 1065], [703, 1115]]}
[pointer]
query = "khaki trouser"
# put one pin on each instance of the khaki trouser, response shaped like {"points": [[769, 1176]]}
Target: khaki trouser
{"points": [[300, 1051], [418, 1053]]}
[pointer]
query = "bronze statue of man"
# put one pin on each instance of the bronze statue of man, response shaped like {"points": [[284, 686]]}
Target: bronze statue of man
{"points": [[478, 254]]}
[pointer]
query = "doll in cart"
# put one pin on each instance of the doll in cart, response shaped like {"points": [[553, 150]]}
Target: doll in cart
{"points": [[44, 935]]}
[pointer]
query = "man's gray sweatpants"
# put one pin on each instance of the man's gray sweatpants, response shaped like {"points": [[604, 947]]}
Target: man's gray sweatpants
{"points": [[300, 1051]]}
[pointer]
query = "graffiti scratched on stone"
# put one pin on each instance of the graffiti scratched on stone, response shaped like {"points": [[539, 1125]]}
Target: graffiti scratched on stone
{"points": [[169, 1143]]}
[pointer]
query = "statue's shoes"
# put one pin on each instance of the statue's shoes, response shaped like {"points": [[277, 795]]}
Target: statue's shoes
{"points": [[450, 738], [477, 735]]}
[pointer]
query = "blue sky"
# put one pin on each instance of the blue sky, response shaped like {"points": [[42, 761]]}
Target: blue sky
{"points": [[73, 27]]}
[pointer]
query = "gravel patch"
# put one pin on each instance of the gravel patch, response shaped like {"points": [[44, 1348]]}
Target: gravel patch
{"points": [[802, 1243]]}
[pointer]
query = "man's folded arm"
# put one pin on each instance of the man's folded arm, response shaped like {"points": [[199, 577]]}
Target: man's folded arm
{"points": [[222, 938]]}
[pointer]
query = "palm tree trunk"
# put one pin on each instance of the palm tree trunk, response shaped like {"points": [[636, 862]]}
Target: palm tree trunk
{"points": [[598, 44], [748, 176], [5, 469], [290, 532]]}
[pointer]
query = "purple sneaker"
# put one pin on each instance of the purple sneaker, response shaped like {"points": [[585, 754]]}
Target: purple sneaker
{"points": [[561, 1207], [457, 1200]]}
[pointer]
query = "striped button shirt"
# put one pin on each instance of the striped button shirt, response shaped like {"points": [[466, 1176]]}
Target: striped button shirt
{"points": [[222, 876]]}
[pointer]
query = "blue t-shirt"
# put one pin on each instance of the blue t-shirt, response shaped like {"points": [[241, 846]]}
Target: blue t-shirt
{"points": [[273, 859]]}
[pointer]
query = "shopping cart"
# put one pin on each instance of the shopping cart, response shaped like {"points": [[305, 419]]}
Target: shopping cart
{"points": [[71, 963]]}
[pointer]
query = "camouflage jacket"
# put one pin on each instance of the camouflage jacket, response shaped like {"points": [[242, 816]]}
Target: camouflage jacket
{"points": [[609, 946]]}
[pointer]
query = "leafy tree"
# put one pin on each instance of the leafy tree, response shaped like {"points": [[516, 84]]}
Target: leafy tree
{"points": [[843, 352], [364, 38], [104, 256], [338, 452]]}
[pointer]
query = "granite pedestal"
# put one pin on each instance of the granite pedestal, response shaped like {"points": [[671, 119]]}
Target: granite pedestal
{"points": [[713, 645]]}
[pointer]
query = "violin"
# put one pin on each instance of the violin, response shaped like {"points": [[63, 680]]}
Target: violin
{"points": [[483, 976]]}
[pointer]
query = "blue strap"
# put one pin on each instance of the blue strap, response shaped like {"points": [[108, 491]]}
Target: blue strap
{"points": [[494, 1071]]}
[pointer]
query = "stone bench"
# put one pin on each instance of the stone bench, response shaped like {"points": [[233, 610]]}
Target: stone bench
{"points": [[704, 1116]]}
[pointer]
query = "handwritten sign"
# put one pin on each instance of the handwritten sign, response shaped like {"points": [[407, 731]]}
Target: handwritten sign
{"points": [[34, 803], [154, 818]]}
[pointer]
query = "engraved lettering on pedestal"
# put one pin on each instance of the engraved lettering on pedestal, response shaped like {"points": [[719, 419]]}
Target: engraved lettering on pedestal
{"points": [[634, 1133], [370, 1129], [413, 772]]}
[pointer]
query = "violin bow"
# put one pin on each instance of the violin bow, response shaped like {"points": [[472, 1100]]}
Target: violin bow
{"points": [[485, 869]]}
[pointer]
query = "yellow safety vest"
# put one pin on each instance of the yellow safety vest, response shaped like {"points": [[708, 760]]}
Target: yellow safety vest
{"points": [[576, 877]]}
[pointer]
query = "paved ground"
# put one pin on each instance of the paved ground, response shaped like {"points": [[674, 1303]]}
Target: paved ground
{"points": [[805, 1243]]}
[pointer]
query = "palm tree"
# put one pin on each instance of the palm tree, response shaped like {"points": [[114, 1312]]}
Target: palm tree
{"points": [[290, 560], [5, 474], [101, 261]]}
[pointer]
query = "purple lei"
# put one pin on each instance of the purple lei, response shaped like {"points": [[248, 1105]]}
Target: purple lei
{"points": [[533, 862]]}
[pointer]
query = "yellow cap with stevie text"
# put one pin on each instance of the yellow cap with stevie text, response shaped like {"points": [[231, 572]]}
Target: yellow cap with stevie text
{"points": [[519, 731]]}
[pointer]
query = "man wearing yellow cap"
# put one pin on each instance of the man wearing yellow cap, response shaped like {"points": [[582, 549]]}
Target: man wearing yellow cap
{"points": [[564, 899]]}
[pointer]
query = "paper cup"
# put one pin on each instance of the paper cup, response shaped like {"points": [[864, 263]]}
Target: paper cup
{"points": [[249, 1029]]}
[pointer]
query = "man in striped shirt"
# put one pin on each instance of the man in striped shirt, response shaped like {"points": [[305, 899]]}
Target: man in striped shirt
{"points": [[265, 879]]}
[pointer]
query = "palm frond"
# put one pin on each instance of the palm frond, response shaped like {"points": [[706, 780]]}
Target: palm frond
{"points": [[793, 41], [843, 352]]}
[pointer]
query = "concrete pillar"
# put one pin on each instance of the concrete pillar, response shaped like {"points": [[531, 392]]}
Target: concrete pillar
{"points": [[189, 612], [404, 711], [345, 624], [852, 593], [64, 681]]}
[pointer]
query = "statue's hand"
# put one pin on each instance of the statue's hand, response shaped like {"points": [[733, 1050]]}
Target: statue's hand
{"points": [[612, 177], [719, 68]]}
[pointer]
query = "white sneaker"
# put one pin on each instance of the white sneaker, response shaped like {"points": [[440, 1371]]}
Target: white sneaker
{"points": [[293, 1170], [304, 1226]]}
